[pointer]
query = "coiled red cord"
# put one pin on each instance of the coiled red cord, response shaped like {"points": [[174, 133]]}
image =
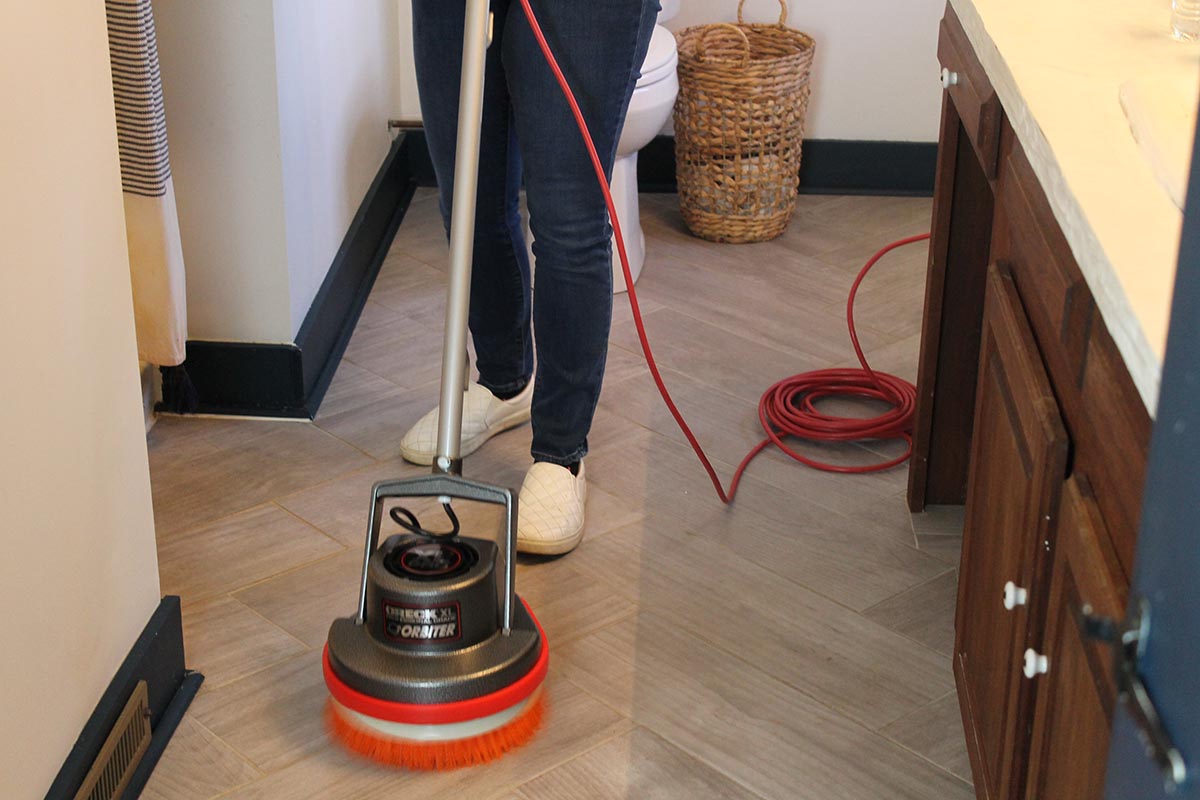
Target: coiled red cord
{"points": [[787, 408]]}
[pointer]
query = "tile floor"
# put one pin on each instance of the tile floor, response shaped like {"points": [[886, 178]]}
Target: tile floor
{"points": [[796, 645]]}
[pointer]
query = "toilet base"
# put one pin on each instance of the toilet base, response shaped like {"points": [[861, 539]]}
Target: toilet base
{"points": [[624, 189]]}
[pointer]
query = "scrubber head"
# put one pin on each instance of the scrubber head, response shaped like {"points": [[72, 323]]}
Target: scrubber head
{"points": [[429, 680]]}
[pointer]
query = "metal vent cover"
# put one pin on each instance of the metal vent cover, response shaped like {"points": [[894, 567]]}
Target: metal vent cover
{"points": [[122, 750]]}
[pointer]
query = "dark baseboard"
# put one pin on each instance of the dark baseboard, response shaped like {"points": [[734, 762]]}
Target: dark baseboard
{"points": [[835, 166], [828, 166], [290, 380], [157, 658]]}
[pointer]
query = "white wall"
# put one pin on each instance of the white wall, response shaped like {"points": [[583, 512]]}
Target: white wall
{"points": [[875, 74], [277, 119], [78, 576], [218, 70], [338, 75]]}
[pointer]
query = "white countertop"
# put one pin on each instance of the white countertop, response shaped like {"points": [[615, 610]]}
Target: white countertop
{"points": [[1058, 67]]}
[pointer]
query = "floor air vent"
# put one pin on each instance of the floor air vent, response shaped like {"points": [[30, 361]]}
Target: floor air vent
{"points": [[121, 751]]}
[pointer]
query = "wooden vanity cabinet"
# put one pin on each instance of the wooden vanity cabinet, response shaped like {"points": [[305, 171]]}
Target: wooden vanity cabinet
{"points": [[1027, 414], [1073, 716], [1018, 456]]}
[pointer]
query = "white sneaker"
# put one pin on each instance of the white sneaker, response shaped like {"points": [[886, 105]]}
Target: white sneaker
{"points": [[484, 415], [550, 510]]}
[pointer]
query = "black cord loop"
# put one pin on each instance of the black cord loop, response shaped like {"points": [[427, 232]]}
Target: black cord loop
{"points": [[408, 520]]}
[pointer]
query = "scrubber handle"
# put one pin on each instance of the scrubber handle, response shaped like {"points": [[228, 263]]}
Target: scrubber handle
{"points": [[445, 486], [476, 37]]}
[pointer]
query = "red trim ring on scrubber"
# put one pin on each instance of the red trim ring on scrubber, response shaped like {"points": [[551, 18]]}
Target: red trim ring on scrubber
{"points": [[441, 713]]}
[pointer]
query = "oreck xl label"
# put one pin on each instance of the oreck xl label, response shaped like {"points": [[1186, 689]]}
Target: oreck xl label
{"points": [[440, 623]]}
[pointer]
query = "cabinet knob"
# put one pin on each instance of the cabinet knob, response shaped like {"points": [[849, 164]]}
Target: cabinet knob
{"points": [[1014, 596], [949, 78], [1035, 664]]}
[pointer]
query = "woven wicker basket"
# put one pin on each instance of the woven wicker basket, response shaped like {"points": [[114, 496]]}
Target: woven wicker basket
{"points": [[739, 123]]}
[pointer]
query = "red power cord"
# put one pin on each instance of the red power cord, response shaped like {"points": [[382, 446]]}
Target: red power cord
{"points": [[789, 407]]}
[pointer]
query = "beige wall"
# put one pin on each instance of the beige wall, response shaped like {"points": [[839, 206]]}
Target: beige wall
{"points": [[876, 73], [218, 72], [338, 72], [875, 76], [277, 118], [78, 575]]}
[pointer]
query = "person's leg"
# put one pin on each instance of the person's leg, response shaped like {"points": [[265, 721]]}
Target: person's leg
{"points": [[500, 292], [500, 283], [600, 45]]}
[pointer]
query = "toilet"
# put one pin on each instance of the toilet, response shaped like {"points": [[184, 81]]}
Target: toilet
{"points": [[649, 109]]}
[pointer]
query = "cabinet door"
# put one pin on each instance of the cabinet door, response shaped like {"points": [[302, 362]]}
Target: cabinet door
{"points": [[1076, 696], [1018, 457]]}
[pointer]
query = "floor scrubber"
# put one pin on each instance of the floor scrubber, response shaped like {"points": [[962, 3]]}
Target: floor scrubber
{"points": [[442, 665]]}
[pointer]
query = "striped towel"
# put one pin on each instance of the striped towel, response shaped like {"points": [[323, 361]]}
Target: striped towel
{"points": [[151, 219]]}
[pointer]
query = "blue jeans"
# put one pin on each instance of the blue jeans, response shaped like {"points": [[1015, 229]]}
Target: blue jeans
{"points": [[529, 132]]}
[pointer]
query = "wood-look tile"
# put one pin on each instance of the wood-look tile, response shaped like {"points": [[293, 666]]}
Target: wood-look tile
{"points": [[353, 387], [887, 354], [407, 351], [939, 521], [197, 765], [175, 437], [892, 297], [400, 270], [376, 426], [567, 602], [647, 469], [728, 427], [939, 531], [808, 283], [924, 613], [707, 295], [575, 723], [285, 458], [851, 664], [621, 311], [340, 507], [606, 512], [863, 216], [731, 715], [848, 559], [622, 364], [422, 300], [810, 237], [237, 551], [713, 356], [639, 764], [304, 602], [857, 556], [947, 549], [503, 460], [374, 315], [225, 640], [273, 717], [863, 495], [935, 732], [421, 236]]}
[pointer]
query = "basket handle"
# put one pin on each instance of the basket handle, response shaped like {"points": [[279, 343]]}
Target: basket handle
{"points": [[710, 28], [783, 12]]}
